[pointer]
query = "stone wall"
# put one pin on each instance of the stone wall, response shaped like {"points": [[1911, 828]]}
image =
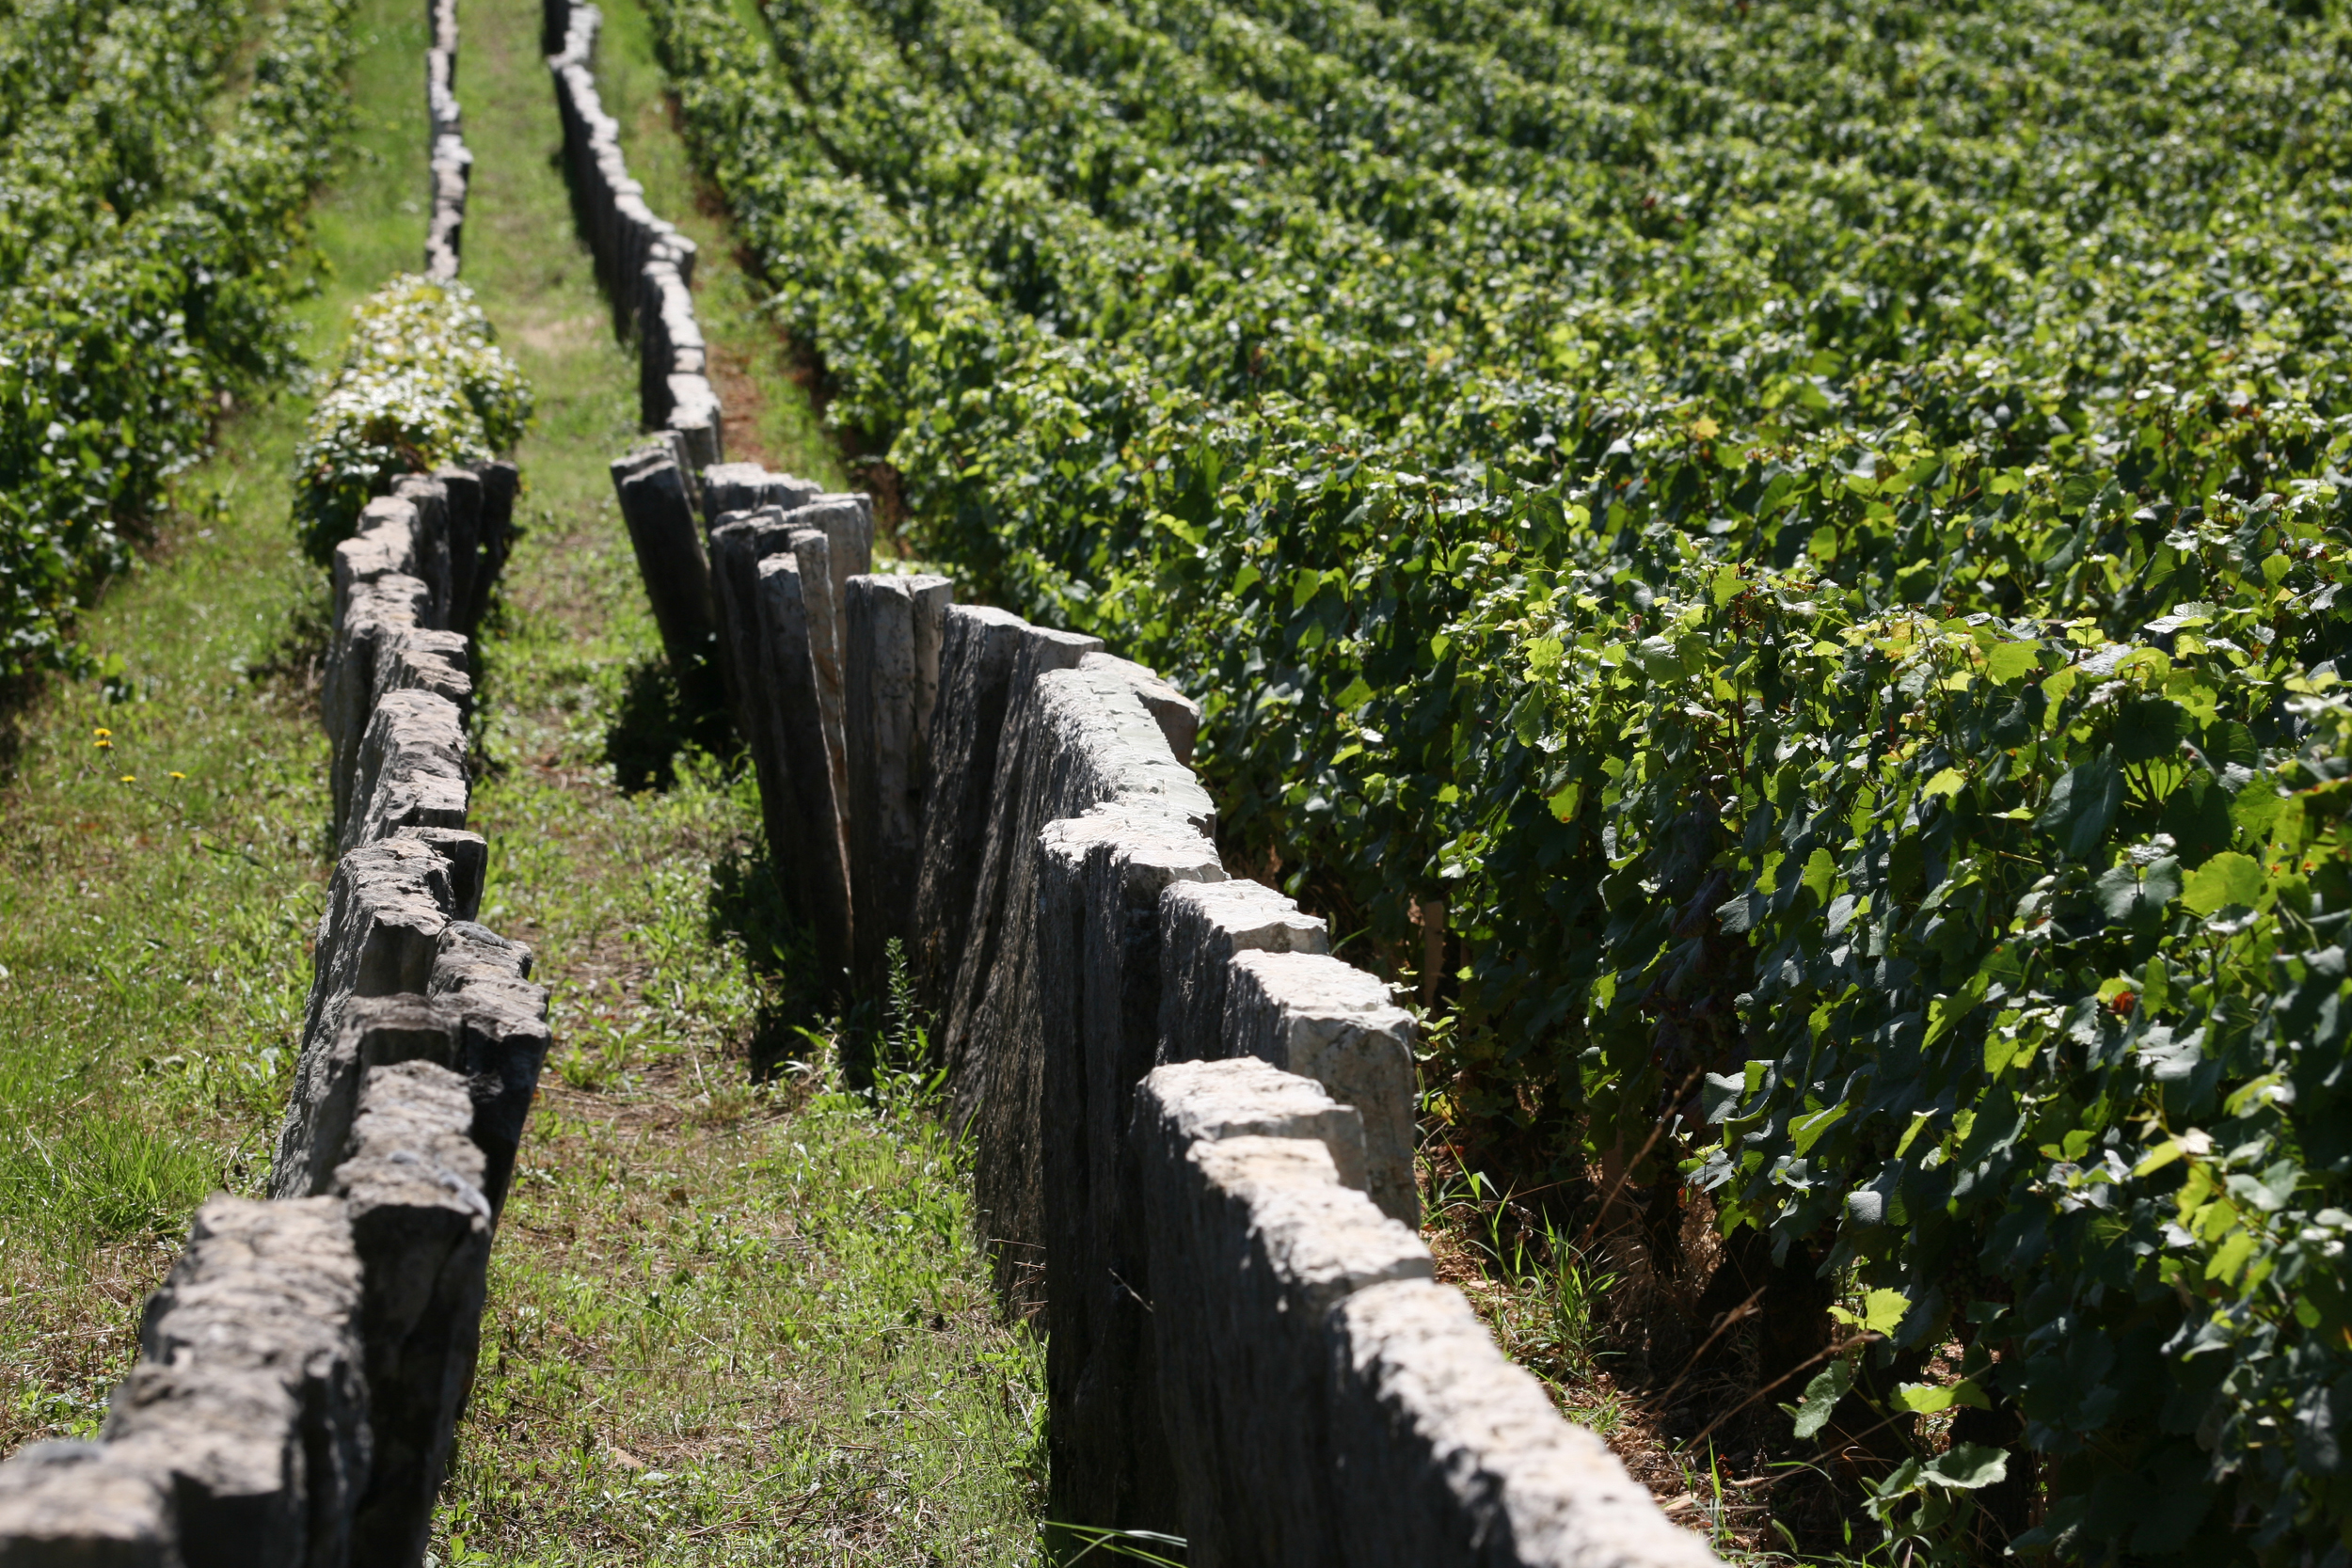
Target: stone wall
{"points": [[646, 266], [450, 163], [1193, 1127], [302, 1370]]}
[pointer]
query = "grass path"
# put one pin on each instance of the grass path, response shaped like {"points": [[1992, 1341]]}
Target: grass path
{"points": [[727, 1323]]}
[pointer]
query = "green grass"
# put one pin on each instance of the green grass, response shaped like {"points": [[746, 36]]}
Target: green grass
{"points": [[727, 1323]]}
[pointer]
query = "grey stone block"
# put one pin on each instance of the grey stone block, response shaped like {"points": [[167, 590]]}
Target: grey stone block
{"points": [[802, 818], [847, 521], [1005, 844], [748, 488], [1201, 926], [468, 859], [501, 482], [978, 646], [482, 982], [1314, 1016], [249, 1389], [697, 416], [419, 660], [462, 490], [430, 531], [1443, 1452], [660, 513], [1178, 716], [384, 541], [1082, 738], [888, 623], [386, 908], [737, 543], [1187, 1103], [1100, 878], [390, 605], [1253, 1241], [83, 1505], [410, 772], [421, 1226], [813, 549]]}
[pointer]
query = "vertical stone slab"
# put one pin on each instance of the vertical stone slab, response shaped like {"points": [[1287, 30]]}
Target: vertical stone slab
{"points": [[884, 742], [1201, 926], [1085, 739], [662, 529], [813, 548], [1314, 1016], [419, 661], [386, 908], [431, 532], [748, 488], [372, 1031], [1253, 1241], [410, 772], [803, 820], [1100, 878], [482, 983], [977, 649], [1444, 1451], [388, 608], [249, 1389], [461, 490], [501, 482], [738, 542], [1001, 853], [422, 1227], [1177, 715], [84, 1505]]}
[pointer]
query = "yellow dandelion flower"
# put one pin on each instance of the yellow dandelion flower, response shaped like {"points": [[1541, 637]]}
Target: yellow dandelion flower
{"points": [[130, 778], [179, 775], [102, 731]]}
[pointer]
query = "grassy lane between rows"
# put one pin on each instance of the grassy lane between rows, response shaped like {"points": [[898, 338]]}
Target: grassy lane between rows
{"points": [[728, 1323]]}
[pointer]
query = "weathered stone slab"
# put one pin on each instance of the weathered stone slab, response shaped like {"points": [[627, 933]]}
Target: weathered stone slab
{"points": [[481, 981], [813, 548], [659, 511], [411, 768], [748, 488], [1081, 738], [802, 819], [847, 521], [1444, 1451], [500, 481], [1253, 1241], [389, 605], [468, 859], [1202, 924], [430, 531], [249, 1387], [1003, 848], [421, 1224], [462, 493], [1178, 716], [1313, 1015], [1100, 880], [419, 660], [888, 623], [738, 542], [978, 646], [386, 908], [83, 1505], [373, 1032]]}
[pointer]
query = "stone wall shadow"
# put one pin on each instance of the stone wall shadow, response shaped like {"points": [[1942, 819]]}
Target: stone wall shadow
{"points": [[660, 715]]}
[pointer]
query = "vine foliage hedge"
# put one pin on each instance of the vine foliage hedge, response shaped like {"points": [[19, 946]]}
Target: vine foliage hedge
{"points": [[1819, 529], [421, 383], [150, 231]]}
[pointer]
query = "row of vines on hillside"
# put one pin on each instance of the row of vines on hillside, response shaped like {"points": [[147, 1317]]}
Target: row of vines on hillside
{"points": [[1817, 531], [155, 159]]}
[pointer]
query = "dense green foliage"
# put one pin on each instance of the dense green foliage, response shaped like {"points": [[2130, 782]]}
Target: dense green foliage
{"points": [[1819, 529], [421, 383], [150, 231]]}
